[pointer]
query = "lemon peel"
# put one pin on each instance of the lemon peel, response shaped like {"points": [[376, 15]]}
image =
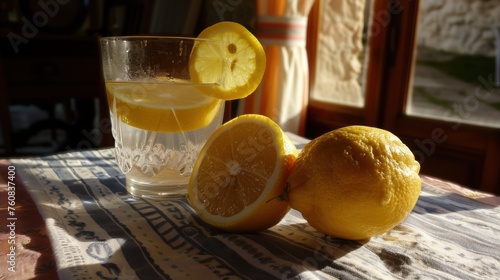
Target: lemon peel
{"points": [[241, 167], [355, 182], [237, 68]]}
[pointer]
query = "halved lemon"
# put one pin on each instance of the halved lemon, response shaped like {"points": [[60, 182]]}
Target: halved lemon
{"points": [[161, 106], [238, 68], [239, 172]]}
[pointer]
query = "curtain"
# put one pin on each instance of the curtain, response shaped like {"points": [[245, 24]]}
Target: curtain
{"points": [[283, 93]]}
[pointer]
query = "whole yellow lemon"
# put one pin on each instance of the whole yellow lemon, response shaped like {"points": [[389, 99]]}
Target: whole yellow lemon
{"points": [[355, 182]]}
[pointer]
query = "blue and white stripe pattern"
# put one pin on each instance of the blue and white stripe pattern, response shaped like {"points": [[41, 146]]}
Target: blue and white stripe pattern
{"points": [[98, 231]]}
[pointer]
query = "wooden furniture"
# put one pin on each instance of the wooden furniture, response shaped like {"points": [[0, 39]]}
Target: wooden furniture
{"points": [[50, 69]]}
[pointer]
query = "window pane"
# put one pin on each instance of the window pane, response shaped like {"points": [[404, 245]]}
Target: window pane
{"points": [[456, 75], [340, 52]]}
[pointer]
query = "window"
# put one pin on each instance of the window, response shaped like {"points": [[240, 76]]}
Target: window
{"points": [[439, 96], [455, 76]]}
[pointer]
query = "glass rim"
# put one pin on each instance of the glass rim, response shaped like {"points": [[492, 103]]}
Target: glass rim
{"points": [[156, 37]]}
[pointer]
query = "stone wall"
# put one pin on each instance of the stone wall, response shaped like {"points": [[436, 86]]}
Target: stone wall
{"points": [[460, 26], [339, 45]]}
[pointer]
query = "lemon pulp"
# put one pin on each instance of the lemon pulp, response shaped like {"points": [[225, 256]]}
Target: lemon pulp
{"points": [[161, 106], [238, 68], [243, 165]]}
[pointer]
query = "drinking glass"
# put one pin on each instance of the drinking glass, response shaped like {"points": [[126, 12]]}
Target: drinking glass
{"points": [[160, 117]]}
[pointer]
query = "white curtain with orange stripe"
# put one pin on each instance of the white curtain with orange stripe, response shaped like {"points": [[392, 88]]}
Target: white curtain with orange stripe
{"points": [[283, 93]]}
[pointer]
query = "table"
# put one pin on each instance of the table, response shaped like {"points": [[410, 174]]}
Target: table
{"points": [[74, 220]]}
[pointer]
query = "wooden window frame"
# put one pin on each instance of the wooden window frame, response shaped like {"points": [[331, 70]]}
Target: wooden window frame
{"points": [[389, 80]]}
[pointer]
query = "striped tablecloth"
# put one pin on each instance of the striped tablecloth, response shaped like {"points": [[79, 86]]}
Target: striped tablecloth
{"points": [[98, 231]]}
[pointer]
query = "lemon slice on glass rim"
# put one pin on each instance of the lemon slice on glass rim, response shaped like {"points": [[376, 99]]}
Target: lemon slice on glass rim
{"points": [[237, 69]]}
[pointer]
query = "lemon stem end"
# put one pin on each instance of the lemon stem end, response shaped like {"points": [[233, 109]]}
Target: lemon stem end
{"points": [[283, 196]]}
